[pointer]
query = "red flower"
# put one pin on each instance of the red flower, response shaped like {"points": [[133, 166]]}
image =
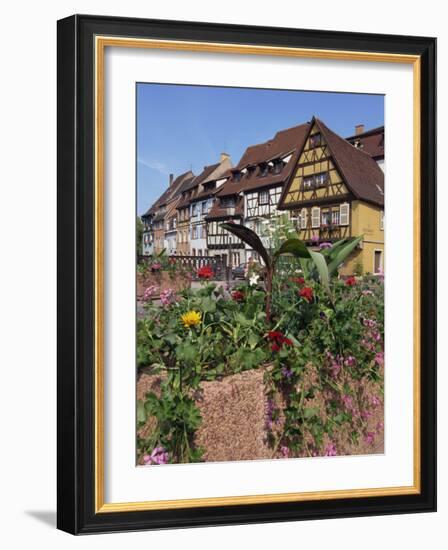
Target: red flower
{"points": [[205, 272], [275, 335], [278, 339], [298, 280], [171, 261], [238, 296], [350, 281], [306, 293]]}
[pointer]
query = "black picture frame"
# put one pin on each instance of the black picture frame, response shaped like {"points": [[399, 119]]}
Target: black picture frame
{"points": [[76, 253]]}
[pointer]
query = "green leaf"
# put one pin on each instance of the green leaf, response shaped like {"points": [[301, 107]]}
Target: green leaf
{"points": [[309, 412], [322, 268], [250, 238], [295, 247], [141, 413], [343, 252]]}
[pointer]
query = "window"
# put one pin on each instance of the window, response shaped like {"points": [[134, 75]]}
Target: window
{"points": [[378, 261], [382, 220], [237, 176], [308, 183], [204, 207], [303, 218], [320, 180], [278, 166], [194, 209], [315, 140], [315, 217], [326, 217], [263, 197], [264, 169], [195, 233], [335, 216], [344, 214], [228, 202]]}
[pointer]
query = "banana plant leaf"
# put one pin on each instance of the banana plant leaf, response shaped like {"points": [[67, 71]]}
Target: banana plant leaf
{"points": [[342, 252], [250, 238]]}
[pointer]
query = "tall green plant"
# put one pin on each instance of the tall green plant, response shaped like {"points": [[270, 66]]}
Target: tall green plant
{"points": [[324, 263]]}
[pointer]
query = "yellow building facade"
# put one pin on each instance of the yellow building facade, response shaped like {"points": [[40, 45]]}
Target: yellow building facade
{"points": [[337, 192]]}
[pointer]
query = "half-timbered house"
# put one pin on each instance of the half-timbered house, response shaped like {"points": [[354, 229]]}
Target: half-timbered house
{"points": [[370, 141], [161, 215], [255, 187], [337, 191]]}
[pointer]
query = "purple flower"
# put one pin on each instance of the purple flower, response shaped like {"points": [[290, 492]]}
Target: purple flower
{"points": [[158, 456], [286, 372], [330, 450], [369, 438], [156, 266], [325, 245], [366, 414], [315, 239], [379, 358], [380, 426]]}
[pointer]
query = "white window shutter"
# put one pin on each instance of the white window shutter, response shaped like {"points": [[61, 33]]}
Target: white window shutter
{"points": [[315, 217], [303, 218], [344, 218]]}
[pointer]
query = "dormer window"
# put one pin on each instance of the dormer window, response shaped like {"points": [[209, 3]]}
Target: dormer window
{"points": [[237, 176], [228, 202], [264, 169], [278, 166], [315, 140]]}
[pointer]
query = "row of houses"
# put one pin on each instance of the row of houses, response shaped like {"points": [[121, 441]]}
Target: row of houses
{"points": [[330, 186]]}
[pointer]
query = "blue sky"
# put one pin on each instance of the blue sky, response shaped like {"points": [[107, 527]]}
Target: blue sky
{"points": [[187, 127]]}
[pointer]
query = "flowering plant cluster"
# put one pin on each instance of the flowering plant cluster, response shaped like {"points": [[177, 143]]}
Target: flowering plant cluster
{"points": [[320, 338]]}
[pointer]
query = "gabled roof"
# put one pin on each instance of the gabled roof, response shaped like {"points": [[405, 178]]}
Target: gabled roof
{"points": [[173, 190], [362, 175], [371, 142], [284, 143], [217, 211]]}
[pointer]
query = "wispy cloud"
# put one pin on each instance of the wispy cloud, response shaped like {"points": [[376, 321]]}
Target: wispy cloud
{"points": [[154, 165]]}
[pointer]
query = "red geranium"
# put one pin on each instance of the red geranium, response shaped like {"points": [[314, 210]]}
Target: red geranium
{"points": [[238, 296], [278, 339], [350, 281], [205, 272], [298, 280], [306, 293]]}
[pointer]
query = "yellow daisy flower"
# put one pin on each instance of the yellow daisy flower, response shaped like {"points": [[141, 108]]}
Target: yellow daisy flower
{"points": [[191, 318]]}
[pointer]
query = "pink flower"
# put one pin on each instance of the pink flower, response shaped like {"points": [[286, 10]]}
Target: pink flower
{"points": [[366, 414], [168, 296], [375, 401], [350, 361], [369, 438], [158, 456], [156, 266], [150, 292], [347, 400], [379, 358], [285, 451], [330, 450]]}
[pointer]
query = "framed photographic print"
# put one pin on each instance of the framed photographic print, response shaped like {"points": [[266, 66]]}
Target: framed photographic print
{"points": [[246, 274]]}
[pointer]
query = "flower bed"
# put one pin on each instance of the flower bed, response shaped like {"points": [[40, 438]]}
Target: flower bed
{"points": [[290, 368]]}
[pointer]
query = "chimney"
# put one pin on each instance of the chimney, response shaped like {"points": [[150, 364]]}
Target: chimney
{"points": [[359, 129], [224, 156], [171, 179]]}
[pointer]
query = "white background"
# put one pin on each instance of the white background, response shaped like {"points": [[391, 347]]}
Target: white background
{"points": [[126, 483], [28, 275]]}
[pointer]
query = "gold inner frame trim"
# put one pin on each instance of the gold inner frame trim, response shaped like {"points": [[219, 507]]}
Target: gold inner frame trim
{"points": [[101, 42]]}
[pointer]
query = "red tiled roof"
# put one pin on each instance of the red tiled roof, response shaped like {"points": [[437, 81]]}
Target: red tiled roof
{"points": [[217, 211], [371, 142], [289, 141], [173, 190], [361, 173]]}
